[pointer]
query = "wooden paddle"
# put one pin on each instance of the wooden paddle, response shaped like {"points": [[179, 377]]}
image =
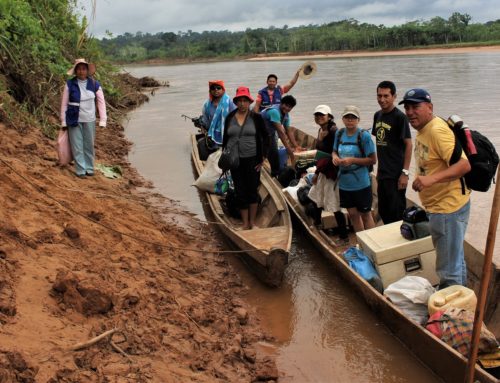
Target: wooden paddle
{"points": [[485, 280]]}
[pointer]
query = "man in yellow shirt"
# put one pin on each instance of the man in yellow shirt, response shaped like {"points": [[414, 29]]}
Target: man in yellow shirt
{"points": [[438, 185]]}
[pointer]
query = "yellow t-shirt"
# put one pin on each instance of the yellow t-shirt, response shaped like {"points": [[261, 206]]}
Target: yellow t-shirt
{"points": [[434, 145]]}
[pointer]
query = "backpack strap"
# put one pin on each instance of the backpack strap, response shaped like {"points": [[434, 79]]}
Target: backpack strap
{"points": [[359, 132], [456, 154]]}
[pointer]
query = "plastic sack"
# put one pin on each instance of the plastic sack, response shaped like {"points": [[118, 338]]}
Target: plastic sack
{"points": [[110, 171], [210, 174], [363, 265], [64, 148], [411, 294]]}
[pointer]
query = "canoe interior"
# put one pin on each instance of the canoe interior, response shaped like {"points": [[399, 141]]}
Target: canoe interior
{"points": [[268, 246], [442, 359]]}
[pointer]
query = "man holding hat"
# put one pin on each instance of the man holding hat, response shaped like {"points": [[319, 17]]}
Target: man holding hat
{"points": [[438, 185], [272, 93]]}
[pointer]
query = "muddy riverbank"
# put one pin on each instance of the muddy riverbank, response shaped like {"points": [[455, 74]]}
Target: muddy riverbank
{"points": [[80, 257]]}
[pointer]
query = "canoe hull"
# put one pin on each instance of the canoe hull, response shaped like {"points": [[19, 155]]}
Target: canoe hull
{"points": [[265, 250], [437, 355]]}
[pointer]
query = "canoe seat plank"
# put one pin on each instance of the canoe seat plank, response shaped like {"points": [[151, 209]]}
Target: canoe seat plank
{"points": [[280, 205], [267, 237]]}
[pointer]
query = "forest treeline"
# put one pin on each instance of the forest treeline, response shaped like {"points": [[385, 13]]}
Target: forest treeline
{"points": [[335, 36]]}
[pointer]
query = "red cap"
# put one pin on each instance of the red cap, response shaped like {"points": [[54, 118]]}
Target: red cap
{"points": [[242, 91]]}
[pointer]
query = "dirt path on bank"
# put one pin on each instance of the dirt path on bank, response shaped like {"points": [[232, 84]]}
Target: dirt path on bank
{"points": [[79, 257]]}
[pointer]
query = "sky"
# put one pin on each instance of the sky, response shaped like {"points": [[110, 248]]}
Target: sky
{"points": [[153, 16]]}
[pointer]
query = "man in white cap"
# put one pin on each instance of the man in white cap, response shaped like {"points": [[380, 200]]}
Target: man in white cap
{"points": [[439, 187]]}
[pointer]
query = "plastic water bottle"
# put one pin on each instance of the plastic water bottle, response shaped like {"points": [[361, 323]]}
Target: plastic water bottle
{"points": [[458, 124]]}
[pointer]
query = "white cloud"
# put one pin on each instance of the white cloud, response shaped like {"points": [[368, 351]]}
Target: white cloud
{"points": [[120, 16]]}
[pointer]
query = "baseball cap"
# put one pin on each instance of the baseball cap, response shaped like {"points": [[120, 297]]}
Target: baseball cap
{"points": [[323, 109], [416, 95], [351, 109]]}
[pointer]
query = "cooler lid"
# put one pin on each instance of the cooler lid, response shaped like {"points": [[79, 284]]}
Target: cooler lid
{"points": [[386, 244]]}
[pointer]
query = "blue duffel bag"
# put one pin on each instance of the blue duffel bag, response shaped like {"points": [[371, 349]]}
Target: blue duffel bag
{"points": [[363, 265]]}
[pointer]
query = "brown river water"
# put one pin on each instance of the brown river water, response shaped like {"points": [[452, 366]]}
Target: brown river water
{"points": [[324, 332]]}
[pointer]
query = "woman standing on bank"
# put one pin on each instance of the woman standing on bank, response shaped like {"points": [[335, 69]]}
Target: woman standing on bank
{"points": [[78, 114], [248, 129]]}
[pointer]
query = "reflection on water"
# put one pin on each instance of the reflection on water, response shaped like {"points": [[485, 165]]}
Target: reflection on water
{"points": [[324, 332]]}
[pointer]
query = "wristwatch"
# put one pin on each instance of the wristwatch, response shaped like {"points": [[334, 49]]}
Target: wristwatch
{"points": [[405, 172]]}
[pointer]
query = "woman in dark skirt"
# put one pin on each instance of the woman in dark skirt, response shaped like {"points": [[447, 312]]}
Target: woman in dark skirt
{"points": [[247, 128]]}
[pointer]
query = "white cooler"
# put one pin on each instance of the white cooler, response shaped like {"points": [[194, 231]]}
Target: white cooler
{"points": [[395, 257]]}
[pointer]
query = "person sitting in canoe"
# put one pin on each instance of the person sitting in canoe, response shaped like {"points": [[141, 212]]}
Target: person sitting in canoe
{"points": [[246, 129], [324, 191], [354, 152]]}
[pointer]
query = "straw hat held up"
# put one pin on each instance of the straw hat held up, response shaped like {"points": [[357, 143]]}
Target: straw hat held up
{"points": [[307, 70]]}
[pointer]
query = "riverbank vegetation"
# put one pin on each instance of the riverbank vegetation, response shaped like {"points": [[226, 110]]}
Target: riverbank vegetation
{"points": [[38, 42], [338, 36]]}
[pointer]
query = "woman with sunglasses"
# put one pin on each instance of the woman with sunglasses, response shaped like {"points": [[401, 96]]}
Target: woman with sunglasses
{"points": [[214, 113], [247, 130]]}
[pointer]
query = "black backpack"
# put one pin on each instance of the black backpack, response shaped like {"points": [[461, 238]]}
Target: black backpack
{"points": [[483, 163], [303, 194], [415, 223], [230, 204]]}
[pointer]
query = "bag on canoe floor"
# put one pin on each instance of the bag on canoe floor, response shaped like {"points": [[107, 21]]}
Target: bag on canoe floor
{"points": [[361, 264], [454, 327], [230, 204], [411, 294], [210, 174]]}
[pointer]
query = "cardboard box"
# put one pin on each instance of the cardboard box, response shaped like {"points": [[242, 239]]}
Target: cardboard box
{"points": [[328, 220], [395, 257]]}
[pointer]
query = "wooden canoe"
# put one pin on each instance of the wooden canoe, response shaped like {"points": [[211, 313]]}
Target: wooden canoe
{"points": [[447, 363], [266, 249]]}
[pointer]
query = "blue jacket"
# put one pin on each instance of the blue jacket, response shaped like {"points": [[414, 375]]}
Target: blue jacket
{"points": [[73, 109], [266, 100]]}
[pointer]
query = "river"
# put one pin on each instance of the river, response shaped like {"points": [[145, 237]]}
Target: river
{"points": [[323, 331]]}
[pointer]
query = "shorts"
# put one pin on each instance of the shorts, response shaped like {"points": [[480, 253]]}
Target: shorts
{"points": [[360, 199]]}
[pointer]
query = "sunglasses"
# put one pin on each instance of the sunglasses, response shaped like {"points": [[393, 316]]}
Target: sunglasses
{"points": [[215, 87]]}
